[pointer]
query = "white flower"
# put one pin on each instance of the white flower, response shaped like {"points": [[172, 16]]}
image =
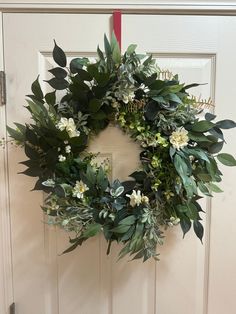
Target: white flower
{"points": [[128, 97], [144, 88], [62, 124], [68, 149], [145, 199], [135, 198], [79, 189], [179, 138], [69, 126], [61, 158]]}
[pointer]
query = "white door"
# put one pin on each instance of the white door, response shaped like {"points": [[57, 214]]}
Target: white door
{"points": [[190, 278]]}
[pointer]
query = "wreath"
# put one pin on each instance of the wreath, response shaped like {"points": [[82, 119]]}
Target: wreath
{"points": [[178, 160]]}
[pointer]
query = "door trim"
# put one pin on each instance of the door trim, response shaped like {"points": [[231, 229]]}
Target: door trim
{"points": [[6, 271], [107, 6]]}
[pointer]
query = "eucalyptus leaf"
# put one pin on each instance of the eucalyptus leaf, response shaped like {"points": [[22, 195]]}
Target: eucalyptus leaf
{"points": [[226, 159]]}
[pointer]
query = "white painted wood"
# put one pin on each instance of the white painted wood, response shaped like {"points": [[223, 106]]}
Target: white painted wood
{"points": [[87, 281], [6, 288], [197, 7]]}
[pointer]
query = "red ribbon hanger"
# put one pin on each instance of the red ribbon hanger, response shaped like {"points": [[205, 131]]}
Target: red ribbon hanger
{"points": [[117, 25]]}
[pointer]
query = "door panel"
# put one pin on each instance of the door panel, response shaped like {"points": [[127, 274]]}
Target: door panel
{"points": [[87, 281]]}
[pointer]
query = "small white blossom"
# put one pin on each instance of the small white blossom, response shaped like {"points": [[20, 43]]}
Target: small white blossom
{"points": [[62, 124], [179, 138], [61, 158], [69, 126], [136, 198], [145, 199], [79, 189], [144, 88], [68, 149]]}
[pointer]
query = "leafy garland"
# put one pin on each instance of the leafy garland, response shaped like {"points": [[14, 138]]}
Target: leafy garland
{"points": [[178, 162]]}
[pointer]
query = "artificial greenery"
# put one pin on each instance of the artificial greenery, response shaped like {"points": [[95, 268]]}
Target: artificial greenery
{"points": [[178, 161]]}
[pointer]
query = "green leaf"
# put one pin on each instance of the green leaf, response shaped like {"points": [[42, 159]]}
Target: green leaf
{"points": [[147, 61], [92, 230], [128, 220], [226, 159], [199, 153], [202, 126], [58, 84], [185, 224], [59, 55], [226, 124], [94, 105], [203, 188], [174, 98], [198, 137], [131, 49], [180, 166], [58, 73], [198, 229], [139, 176], [151, 110], [216, 147], [17, 135], [192, 85], [107, 46], [51, 98], [100, 54], [116, 55], [209, 116], [36, 89], [121, 228], [59, 191], [31, 153], [84, 75], [214, 188], [77, 64], [31, 137], [102, 180]]}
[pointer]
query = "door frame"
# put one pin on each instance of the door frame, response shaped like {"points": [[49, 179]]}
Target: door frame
{"points": [[105, 6], [173, 7]]}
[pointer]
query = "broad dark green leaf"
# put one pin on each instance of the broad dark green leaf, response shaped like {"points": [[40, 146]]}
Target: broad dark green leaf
{"points": [[151, 110], [84, 75], [36, 89], [51, 98], [94, 105], [202, 187], [17, 135], [139, 176], [202, 126], [226, 124], [31, 153], [59, 55], [216, 147], [58, 84], [226, 159], [198, 229], [209, 116], [185, 224], [214, 188], [77, 64], [58, 73], [92, 230]]}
